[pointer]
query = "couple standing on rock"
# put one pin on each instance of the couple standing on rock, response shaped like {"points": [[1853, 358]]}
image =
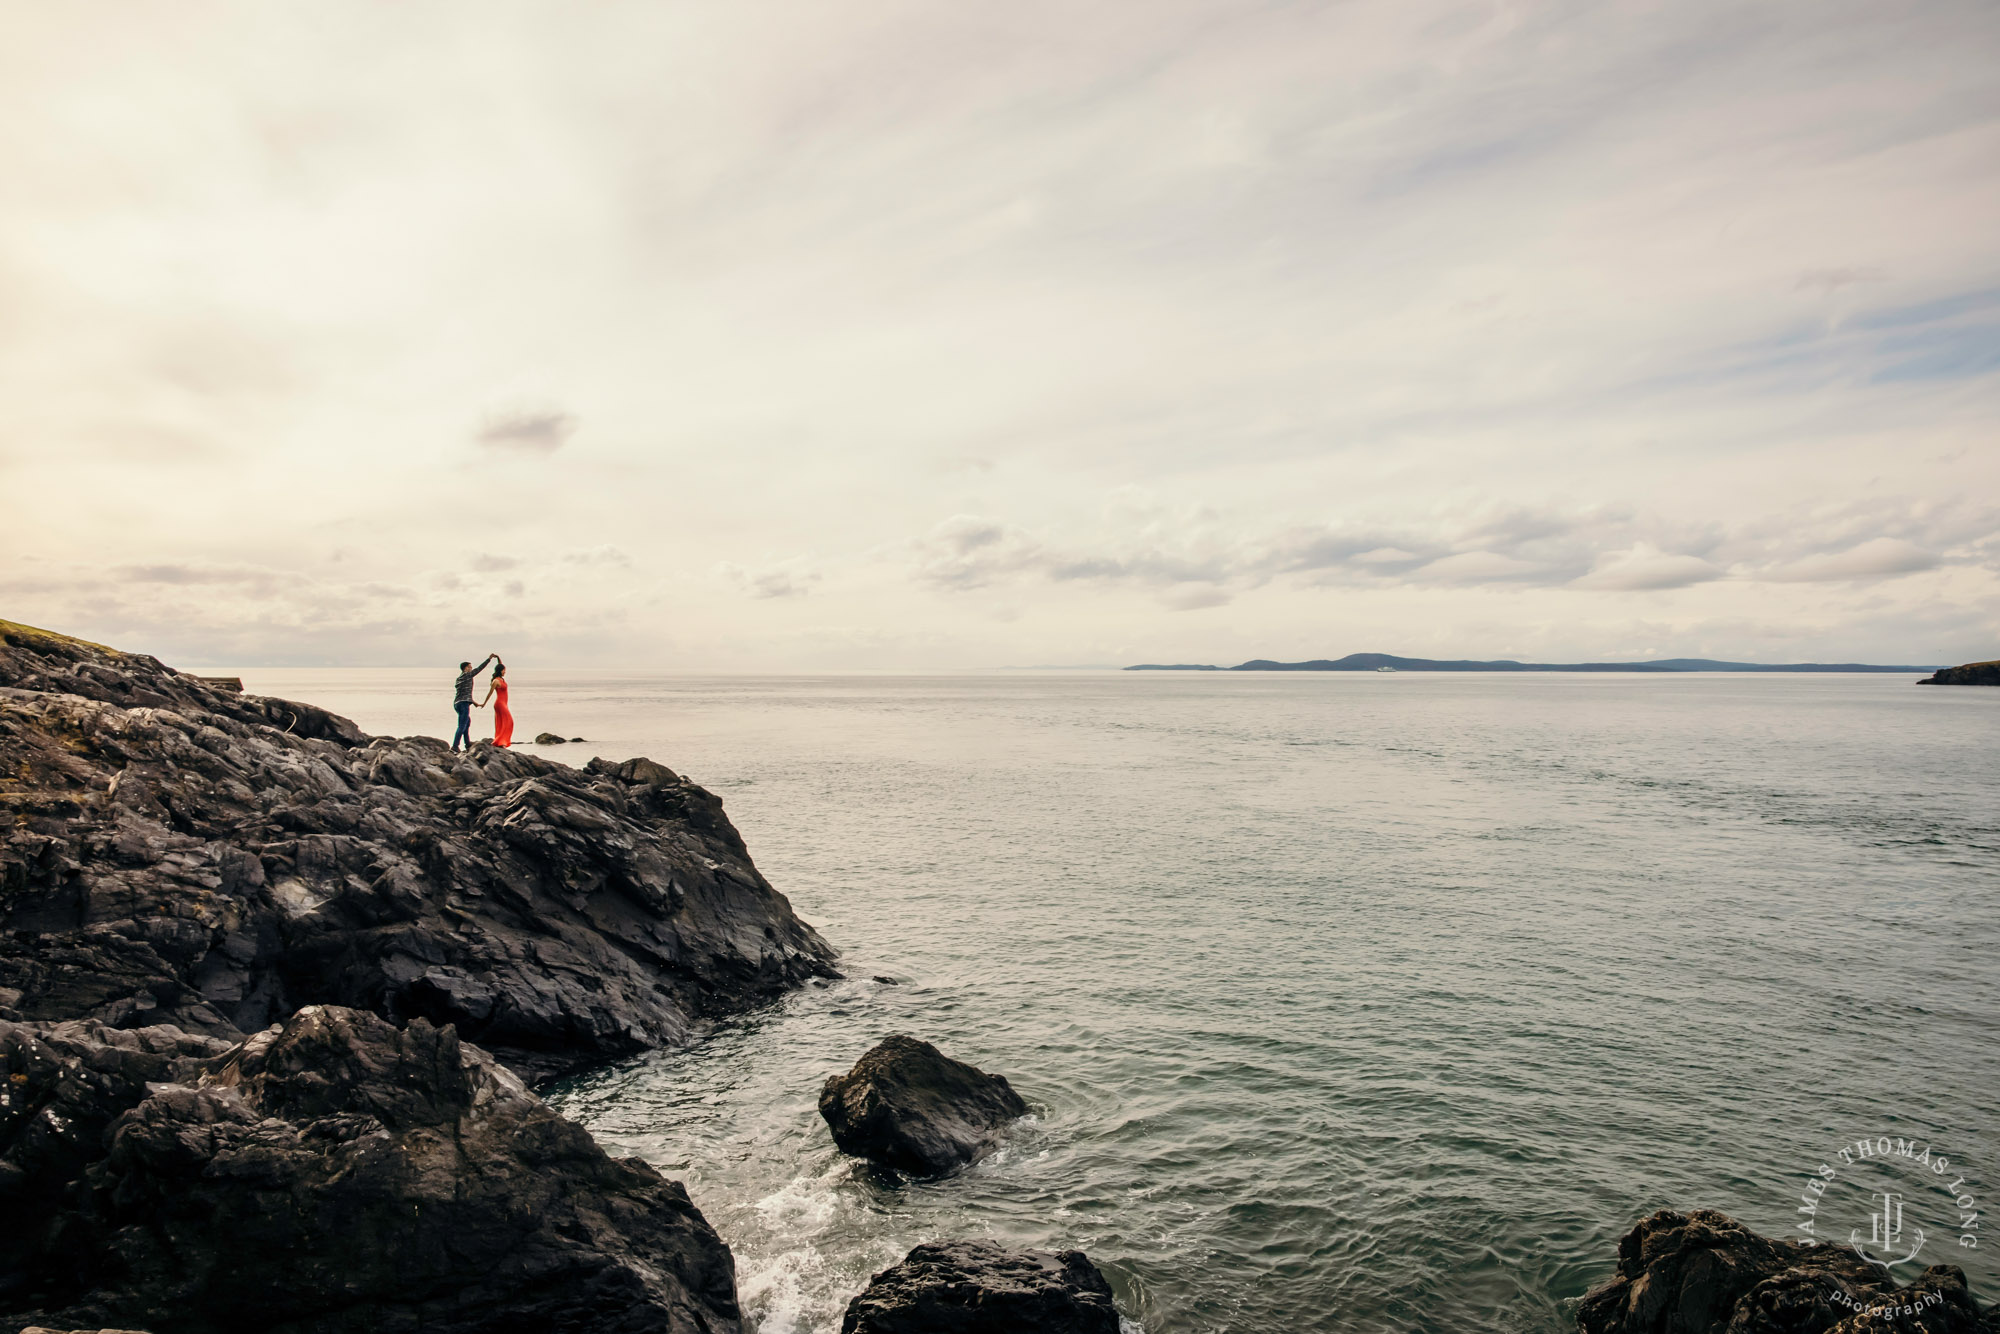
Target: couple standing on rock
{"points": [[503, 720]]}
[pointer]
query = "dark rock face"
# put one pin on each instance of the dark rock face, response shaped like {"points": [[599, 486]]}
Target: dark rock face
{"points": [[1971, 674], [981, 1287], [334, 1174], [908, 1106], [175, 854], [1705, 1273]]}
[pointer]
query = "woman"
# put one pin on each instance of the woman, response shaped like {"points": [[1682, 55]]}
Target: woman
{"points": [[503, 721]]}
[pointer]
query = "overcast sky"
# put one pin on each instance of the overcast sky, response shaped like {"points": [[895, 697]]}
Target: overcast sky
{"points": [[771, 336]]}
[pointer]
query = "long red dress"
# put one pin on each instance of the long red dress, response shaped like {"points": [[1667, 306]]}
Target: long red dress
{"points": [[503, 721]]}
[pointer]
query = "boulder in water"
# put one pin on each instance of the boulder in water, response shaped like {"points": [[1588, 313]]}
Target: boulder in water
{"points": [[1705, 1273], [548, 739], [982, 1287], [908, 1106]]}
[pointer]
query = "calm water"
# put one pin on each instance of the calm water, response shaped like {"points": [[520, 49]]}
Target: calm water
{"points": [[1347, 1002]]}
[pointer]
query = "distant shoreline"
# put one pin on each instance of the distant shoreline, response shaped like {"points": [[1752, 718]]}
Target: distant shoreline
{"points": [[1373, 662]]}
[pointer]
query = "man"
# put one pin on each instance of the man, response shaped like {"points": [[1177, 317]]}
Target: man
{"points": [[462, 701]]}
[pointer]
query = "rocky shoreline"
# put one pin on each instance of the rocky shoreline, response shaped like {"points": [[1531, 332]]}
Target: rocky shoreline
{"points": [[274, 995], [1967, 674], [215, 861], [245, 952]]}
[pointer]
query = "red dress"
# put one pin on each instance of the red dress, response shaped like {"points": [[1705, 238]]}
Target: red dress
{"points": [[503, 721]]}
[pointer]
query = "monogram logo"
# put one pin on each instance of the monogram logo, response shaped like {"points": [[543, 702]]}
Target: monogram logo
{"points": [[1907, 1183], [1885, 1231]]}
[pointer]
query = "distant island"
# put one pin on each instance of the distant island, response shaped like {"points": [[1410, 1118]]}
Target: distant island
{"points": [[1971, 674], [1372, 662]]}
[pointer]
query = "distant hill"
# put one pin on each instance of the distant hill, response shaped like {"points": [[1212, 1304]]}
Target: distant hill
{"points": [[1970, 674], [1368, 662]]}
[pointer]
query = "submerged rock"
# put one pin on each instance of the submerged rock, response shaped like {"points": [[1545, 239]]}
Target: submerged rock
{"points": [[334, 1174], [175, 854], [1705, 1273], [549, 739], [908, 1106], [1971, 674], [982, 1287]]}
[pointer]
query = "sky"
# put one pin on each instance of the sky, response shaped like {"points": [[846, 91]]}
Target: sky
{"points": [[776, 336]]}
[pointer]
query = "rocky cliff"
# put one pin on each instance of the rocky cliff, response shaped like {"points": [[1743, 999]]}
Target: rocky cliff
{"points": [[173, 854], [1971, 674], [244, 949]]}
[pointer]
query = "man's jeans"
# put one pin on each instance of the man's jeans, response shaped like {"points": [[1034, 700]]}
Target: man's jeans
{"points": [[464, 708]]}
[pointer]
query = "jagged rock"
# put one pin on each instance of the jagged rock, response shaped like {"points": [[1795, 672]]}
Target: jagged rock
{"points": [[1705, 1273], [1971, 674], [548, 739], [175, 854], [982, 1287], [908, 1106], [335, 1174]]}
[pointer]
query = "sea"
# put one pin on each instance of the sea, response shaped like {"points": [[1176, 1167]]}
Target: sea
{"points": [[1344, 1001]]}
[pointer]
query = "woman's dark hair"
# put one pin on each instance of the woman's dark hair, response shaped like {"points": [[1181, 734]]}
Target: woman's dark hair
{"points": [[500, 669]]}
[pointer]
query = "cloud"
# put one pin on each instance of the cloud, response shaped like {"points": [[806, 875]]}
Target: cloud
{"points": [[1832, 280], [1598, 549], [529, 432], [786, 580], [1646, 567], [603, 554], [968, 551], [488, 564], [1478, 567], [1196, 597], [244, 580], [1882, 558]]}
